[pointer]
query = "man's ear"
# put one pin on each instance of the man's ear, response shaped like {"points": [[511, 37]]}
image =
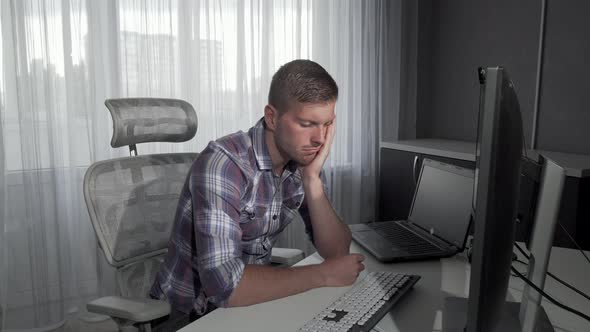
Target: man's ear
{"points": [[271, 117]]}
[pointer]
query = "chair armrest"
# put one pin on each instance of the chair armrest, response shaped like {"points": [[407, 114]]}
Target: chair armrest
{"points": [[136, 309], [286, 256]]}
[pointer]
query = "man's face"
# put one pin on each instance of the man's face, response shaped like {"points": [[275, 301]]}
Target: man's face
{"points": [[301, 130]]}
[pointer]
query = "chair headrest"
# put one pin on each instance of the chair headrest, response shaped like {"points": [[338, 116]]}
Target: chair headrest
{"points": [[140, 120]]}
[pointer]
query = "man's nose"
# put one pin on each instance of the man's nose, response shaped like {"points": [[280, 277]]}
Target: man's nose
{"points": [[319, 136]]}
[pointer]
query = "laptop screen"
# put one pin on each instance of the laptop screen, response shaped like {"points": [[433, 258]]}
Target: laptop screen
{"points": [[442, 201]]}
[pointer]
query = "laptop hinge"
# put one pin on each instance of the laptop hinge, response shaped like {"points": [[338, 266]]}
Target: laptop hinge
{"points": [[441, 242]]}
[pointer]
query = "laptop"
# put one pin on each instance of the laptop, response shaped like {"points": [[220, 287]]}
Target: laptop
{"points": [[438, 222]]}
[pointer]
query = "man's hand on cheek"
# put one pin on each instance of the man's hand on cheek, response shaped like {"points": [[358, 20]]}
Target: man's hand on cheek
{"points": [[312, 171]]}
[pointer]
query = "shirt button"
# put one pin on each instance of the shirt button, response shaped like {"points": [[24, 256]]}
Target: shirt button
{"points": [[297, 203], [274, 217]]}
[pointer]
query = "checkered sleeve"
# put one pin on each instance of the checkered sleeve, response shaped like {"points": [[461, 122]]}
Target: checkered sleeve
{"points": [[216, 190]]}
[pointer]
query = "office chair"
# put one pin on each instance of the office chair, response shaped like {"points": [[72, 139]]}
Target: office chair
{"points": [[132, 204]]}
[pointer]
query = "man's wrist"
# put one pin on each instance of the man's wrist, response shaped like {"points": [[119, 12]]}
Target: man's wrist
{"points": [[315, 274], [319, 277], [313, 186]]}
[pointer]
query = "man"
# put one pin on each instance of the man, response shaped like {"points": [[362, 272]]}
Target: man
{"points": [[244, 189]]}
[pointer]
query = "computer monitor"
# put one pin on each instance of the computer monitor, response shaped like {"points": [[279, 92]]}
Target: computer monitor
{"points": [[498, 155], [495, 200]]}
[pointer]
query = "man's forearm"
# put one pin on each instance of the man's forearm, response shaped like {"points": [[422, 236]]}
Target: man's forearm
{"points": [[262, 283], [331, 236]]}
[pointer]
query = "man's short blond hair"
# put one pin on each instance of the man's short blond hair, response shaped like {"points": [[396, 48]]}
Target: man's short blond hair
{"points": [[304, 81]]}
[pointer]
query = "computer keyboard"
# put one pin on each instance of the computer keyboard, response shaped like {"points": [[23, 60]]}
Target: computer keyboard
{"points": [[363, 306]]}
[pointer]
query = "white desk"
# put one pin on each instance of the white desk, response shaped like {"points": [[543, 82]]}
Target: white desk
{"points": [[419, 310]]}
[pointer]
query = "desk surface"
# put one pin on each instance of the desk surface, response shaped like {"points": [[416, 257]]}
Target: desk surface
{"points": [[419, 310]]}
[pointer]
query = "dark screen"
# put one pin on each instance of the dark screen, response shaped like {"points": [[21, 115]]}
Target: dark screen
{"points": [[443, 203]]}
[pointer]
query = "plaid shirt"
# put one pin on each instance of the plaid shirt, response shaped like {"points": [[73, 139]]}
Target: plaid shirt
{"points": [[231, 210]]}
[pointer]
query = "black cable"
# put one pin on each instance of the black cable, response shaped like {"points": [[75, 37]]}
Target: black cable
{"points": [[521, 262], [574, 241], [527, 256], [551, 274], [568, 285], [548, 297]]}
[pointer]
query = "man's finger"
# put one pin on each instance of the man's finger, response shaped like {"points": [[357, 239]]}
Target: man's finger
{"points": [[359, 257]]}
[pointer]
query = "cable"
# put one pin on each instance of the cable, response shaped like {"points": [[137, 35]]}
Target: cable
{"points": [[568, 285], [551, 274], [527, 256], [573, 241], [548, 297]]}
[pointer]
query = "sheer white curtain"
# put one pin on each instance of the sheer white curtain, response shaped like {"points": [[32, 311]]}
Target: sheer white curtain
{"points": [[61, 59]]}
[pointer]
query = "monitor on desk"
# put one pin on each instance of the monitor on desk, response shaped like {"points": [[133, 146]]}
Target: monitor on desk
{"points": [[498, 155], [495, 201]]}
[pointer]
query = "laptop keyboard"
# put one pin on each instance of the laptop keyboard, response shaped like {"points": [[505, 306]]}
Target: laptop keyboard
{"points": [[403, 237]]}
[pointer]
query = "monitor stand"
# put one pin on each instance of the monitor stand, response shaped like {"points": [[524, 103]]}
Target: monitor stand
{"points": [[528, 315]]}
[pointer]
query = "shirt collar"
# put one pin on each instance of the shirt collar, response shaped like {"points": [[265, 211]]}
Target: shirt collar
{"points": [[261, 149], [259, 144]]}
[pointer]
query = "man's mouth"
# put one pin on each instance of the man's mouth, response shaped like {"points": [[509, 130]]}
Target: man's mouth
{"points": [[310, 151]]}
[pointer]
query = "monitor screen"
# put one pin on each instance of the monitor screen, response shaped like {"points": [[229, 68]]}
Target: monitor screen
{"points": [[443, 201]]}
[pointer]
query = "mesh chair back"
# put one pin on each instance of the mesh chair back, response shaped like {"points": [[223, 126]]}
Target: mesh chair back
{"points": [[136, 279], [140, 120], [132, 203]]}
